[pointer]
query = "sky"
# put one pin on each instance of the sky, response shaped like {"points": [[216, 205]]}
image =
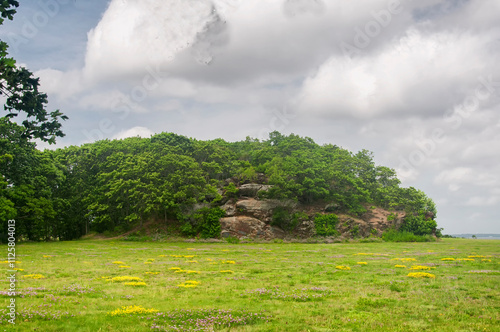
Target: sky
{"points": [[415, 82]]}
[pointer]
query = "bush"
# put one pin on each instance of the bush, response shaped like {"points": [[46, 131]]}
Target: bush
{"points": [[230, 191], [205, 222], [326, 224], [392, 235], [418, 224], [210, 227], [286, 221]]}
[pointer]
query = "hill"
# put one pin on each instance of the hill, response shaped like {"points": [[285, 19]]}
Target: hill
{"points": [[287, 185]]}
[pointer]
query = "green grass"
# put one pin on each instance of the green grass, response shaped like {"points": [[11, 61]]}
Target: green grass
{"points": [[271, 286]]}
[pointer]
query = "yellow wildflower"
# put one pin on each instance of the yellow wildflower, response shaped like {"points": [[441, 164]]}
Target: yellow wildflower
{"points": [[34, 276], [421, 275], [130, 310], [420, 267], [408, 260], [125, 278], [341, 267], [135, 283]]}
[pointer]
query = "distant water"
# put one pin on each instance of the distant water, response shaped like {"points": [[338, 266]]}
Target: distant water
{"points": [[479, 236]]}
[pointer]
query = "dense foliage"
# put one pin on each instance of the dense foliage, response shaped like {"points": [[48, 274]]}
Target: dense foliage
{"points": [[19, 88], [116, 185], [28, 178]]}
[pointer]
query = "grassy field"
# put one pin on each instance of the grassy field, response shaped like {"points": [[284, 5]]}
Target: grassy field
{"points": [[139, 286]]}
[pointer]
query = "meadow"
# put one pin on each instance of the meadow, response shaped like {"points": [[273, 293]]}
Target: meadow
{"points": [[106, 285]]}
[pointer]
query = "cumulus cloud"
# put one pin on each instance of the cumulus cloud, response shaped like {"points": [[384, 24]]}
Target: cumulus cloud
{"points": [[136, 33], [419, 74]]}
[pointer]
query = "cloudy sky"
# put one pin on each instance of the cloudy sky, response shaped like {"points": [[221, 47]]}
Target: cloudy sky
{"points": [[416, 82]]}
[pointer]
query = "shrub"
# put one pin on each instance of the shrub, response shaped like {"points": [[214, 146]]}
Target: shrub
{"points": [[418, 224], [285, 220], [231, 191], [326, 224], [205, 222], [210, 227]]}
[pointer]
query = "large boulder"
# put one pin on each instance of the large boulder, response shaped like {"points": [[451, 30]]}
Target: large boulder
{"points": [[243, 226], [261, 210]]}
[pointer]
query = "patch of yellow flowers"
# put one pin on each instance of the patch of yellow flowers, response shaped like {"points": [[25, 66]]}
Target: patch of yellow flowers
{"points": [[404, 259], [34, 276], [187, 271], [420, 267], [189, 284], [135, 283], [131, 310], [126, 278], [341, 267], [421, 275], [399, 265], [447, 259]]}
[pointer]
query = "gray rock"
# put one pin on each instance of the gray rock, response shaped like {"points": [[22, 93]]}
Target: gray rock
{"points": [[252, 189]]}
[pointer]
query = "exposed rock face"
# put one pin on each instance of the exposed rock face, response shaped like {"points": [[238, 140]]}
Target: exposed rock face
{"points": [[229, 208], [250, 217], [261, 210], [305, 230], [252, 189], [243, 226], [381, 219]]}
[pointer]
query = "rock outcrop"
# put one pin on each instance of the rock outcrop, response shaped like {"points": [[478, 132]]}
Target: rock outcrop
{"points": [[252, 189], [243, 226], [250, 217]]}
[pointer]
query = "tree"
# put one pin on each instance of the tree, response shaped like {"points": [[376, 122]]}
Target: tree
{"points": [[20, 88]]}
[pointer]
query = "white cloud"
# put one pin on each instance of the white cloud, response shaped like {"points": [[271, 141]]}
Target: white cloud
{"points": [[60, 84], [419, 74], [134, 34]]}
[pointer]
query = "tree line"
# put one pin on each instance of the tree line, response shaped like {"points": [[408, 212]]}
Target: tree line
{"points": [[113, 185]]}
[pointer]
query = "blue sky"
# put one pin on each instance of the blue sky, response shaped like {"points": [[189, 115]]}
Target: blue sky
{"points": [[416, 82]]}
